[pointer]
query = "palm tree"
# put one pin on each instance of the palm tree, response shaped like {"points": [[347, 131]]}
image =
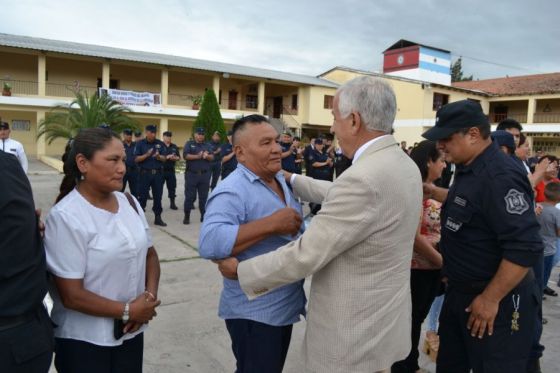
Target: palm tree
{"points": [[65, 121]]}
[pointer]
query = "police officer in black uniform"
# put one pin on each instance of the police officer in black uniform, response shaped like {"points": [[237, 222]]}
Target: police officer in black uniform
{"points": [[26, 332], [216, 164], [198, 155], [289, 153], [321, 164], [169, 177], [229, 161], [131, 175], [150, 156], [489, 242]]}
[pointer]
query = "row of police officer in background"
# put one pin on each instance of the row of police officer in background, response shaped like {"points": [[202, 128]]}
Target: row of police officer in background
{"points": [[150, 163]]}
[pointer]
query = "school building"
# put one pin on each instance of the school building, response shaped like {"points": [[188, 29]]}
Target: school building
{"points": [[43, 73]]}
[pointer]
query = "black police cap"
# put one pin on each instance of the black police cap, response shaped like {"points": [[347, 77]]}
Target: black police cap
{"points": [[151, 128], [168, 133], [455, 116], [127, 132]]}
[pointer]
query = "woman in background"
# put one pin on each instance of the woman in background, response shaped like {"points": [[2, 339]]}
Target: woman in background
{"points": [[426, 262]]}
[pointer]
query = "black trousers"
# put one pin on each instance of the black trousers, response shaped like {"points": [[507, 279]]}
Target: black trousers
{"points": [[424, 284], [505, 351], [73, 356], [155, 181], [170, 180], [28, 348], [258, 347]]}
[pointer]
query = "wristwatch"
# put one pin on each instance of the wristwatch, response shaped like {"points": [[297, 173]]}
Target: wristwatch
{"points": [[125, 315]]}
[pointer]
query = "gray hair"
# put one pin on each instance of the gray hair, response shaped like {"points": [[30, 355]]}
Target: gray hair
{"points": [[373, 98]]}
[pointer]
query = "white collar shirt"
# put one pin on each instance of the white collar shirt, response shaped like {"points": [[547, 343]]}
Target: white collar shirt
{"points": [[14, 147], [107, 250]]}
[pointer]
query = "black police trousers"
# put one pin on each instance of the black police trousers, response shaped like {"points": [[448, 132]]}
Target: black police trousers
{"points": [[153, 179], [170, 180], [27, 347], [215, 169], [505, 351], [196, 182], [131, 178]]}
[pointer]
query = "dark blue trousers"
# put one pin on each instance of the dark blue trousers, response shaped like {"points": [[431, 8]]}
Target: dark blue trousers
{"points": [[28, 348], [131, 177], [259, 347], [503, 351], [196, 183], [78, 356], [170, 180], [215, 170], [537, 348], [155, 181]]}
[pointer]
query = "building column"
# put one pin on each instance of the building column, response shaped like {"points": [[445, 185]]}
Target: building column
{"points": [[41, 143], [42, 75], [163, 126], [216, 86], [260, 102], [164, 86], [106, 75], [531, 108]]}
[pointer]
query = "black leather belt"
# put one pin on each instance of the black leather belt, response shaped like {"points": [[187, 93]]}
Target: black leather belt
{"points": [[13, 321], [477, 287], [200, 172], [131, 169], [152, 172]]}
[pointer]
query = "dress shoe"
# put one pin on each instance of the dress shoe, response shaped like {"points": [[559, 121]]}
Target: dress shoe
{"points": [[187, 219], [172, 205]]}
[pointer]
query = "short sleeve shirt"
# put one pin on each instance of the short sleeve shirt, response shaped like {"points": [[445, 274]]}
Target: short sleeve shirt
{"points": [[150, 163], [193, 147], [323, 172], [107, 250], [232, 163], [430, 227], [549, 219]]}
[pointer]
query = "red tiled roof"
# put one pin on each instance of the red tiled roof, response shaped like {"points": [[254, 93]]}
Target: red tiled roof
{"points": [[516, 85]]}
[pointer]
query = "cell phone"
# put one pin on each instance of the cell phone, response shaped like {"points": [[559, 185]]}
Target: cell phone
{"points": [[118, 326]]}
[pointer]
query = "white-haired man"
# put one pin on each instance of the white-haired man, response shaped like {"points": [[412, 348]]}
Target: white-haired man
{"points": [[358, 248]]}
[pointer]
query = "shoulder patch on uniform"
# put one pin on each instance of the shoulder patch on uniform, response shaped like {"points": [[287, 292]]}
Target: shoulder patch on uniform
{"points": [[516, 202]]}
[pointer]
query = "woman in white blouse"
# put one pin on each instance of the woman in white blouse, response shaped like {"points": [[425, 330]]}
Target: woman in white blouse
{"points": [[100, 253]]}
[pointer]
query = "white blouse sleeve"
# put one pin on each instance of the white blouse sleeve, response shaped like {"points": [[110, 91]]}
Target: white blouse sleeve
{"points": [[65, 246]]}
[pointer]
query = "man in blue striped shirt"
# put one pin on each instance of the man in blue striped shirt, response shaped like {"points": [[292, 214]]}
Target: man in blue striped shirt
{"points": [[250, 213]]}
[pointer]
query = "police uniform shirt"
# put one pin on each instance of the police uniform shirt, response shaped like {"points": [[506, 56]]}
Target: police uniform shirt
{"points": [[288, 163], [23, 271], [129, 150], [322, 172], [14, 147], [232, 163], [150, 163], [488, 216], [171, 149], [193, 147]]}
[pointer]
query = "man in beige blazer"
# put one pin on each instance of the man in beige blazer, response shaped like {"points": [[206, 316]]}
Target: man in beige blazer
{"points": [[358, 248]]}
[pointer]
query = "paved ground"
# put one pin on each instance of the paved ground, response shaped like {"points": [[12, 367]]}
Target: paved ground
{"points": [[187, 336]]}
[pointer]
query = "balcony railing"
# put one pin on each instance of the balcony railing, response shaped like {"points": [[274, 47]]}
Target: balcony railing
{"points": [[498, 117], [546, 117], [68, 89], [186, 100], [23, 87]]}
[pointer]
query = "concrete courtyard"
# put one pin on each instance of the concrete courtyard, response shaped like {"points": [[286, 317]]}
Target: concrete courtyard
{"points": [[187, 335]]}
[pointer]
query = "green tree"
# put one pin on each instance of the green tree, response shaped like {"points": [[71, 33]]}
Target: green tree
{"points": [[209, 116], [457, 72], [65, 121]]}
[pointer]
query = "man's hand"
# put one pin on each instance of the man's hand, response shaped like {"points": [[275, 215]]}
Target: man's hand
{"points": [[228, 267], [483, 313], [285, 221]]}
